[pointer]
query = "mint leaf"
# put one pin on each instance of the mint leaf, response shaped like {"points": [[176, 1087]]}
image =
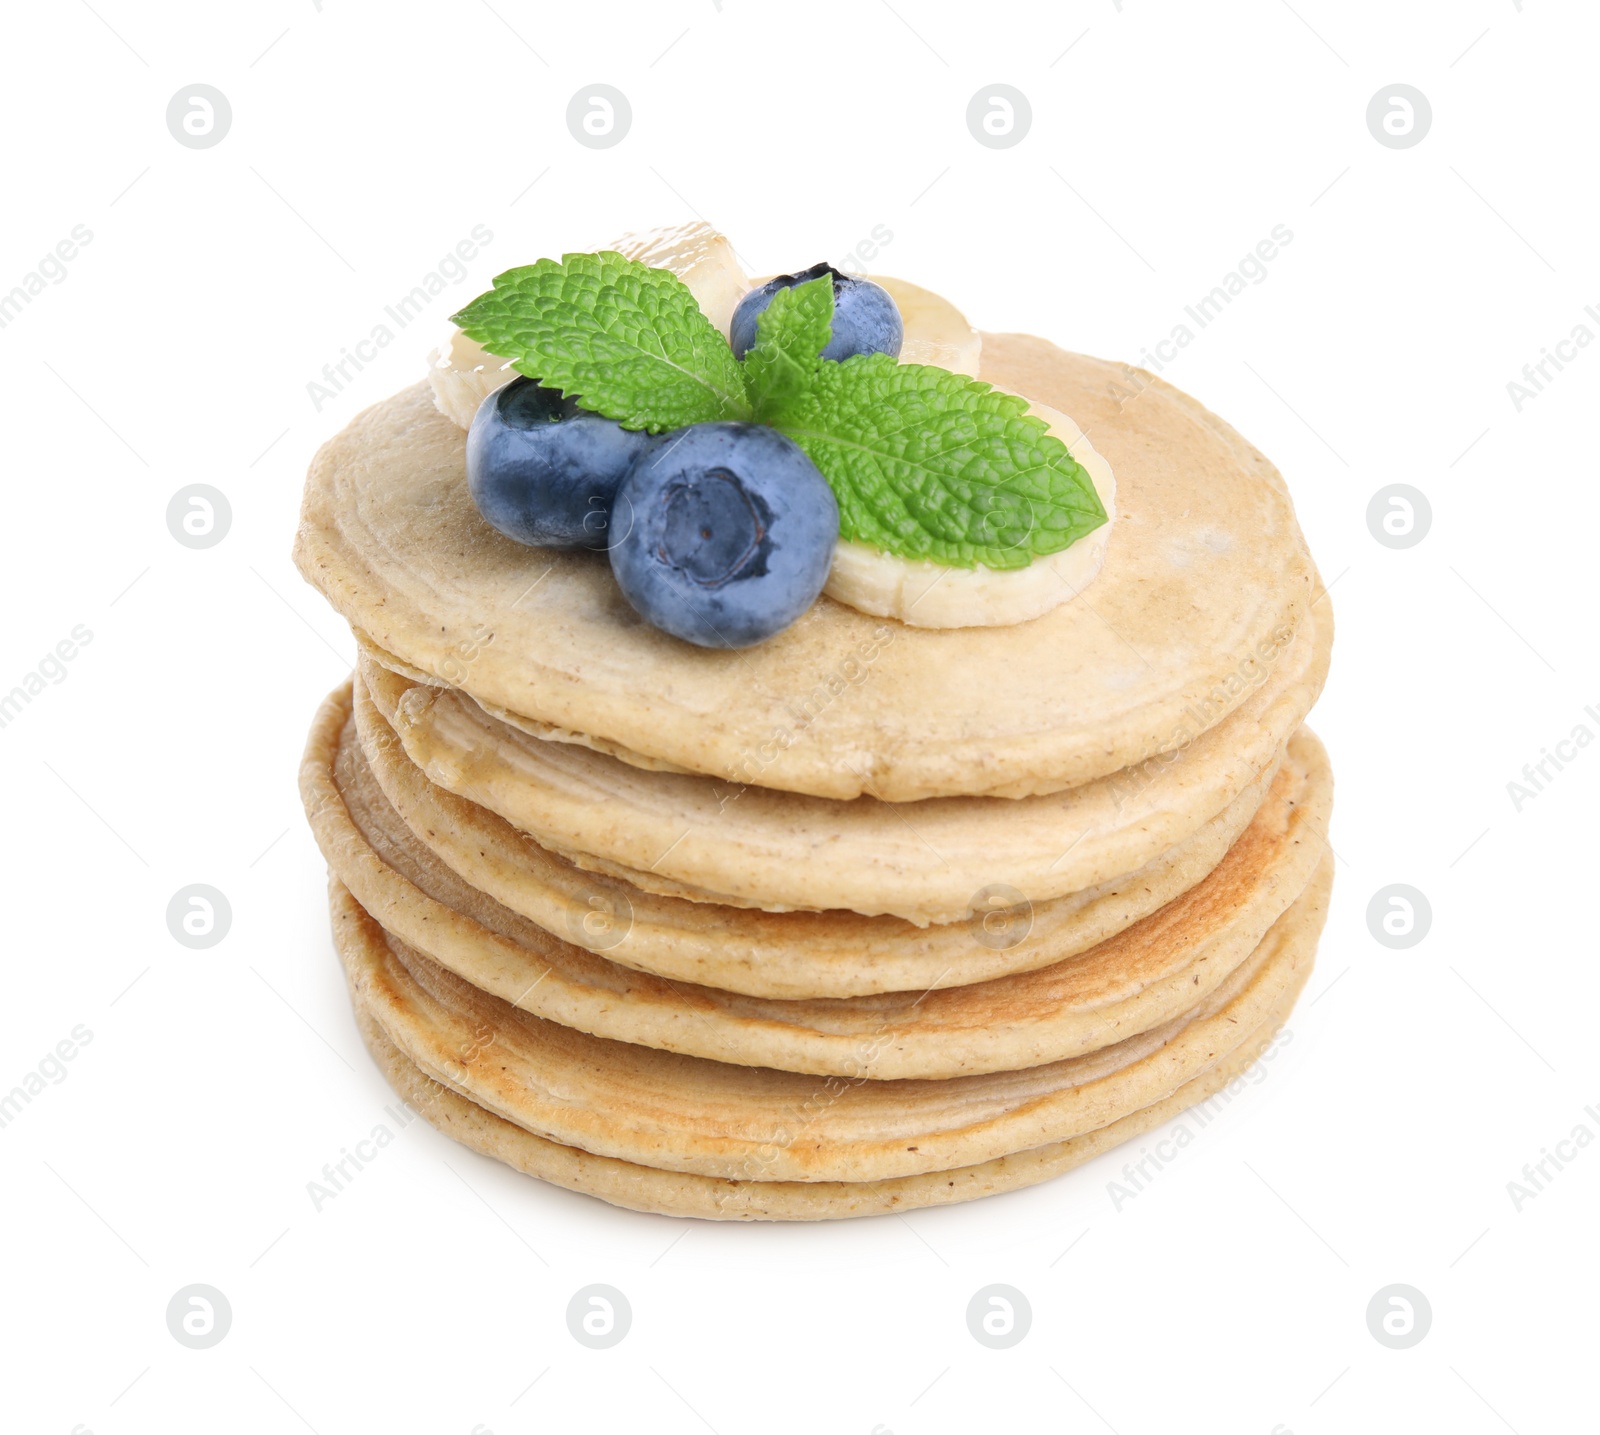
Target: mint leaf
{"points": [[791, 334], [932, 465], [621, 338]]}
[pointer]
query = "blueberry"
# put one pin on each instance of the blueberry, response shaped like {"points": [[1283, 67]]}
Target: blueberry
{"points": [[723, 534], [865, 319], [544, 471]]}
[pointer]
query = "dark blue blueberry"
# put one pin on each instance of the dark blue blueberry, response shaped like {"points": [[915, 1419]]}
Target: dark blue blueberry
{"points": [[723, 534], [544, 471], [865, 319]]}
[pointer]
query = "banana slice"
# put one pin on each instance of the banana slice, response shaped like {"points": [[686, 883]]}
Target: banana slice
{"points": [[936, 332], [929, 595], [463, 374], [700, 256]]}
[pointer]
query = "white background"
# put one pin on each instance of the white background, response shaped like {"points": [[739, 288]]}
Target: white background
{"points": [[1167, 139]]}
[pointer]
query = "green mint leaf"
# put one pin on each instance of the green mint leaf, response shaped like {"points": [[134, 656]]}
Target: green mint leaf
{"points": [[623, 339], [791, 334], [927, 464]]}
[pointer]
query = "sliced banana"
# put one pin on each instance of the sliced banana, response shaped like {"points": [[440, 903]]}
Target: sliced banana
{"points": [[463, 374], [700, 256], [936, 332], [929, 595]]}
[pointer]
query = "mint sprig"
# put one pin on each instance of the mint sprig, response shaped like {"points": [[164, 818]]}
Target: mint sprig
{"points": [[925, 463], [623, 339]]}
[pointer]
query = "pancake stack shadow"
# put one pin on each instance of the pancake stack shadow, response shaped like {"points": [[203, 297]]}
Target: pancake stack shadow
{"points": [[609, 960]]}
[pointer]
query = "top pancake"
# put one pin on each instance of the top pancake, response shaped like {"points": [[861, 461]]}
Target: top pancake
{"points": [[1205, 572]]}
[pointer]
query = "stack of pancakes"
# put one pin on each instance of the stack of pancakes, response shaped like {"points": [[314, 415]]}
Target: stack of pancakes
{"points": [[864, 918]]}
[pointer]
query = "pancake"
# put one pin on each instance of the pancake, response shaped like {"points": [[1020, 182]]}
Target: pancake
{"points": [[1205, 574], [778, 954], [706, 1118], [930, 861], [676, 1193], [1145, 976], [728, 1122]]}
